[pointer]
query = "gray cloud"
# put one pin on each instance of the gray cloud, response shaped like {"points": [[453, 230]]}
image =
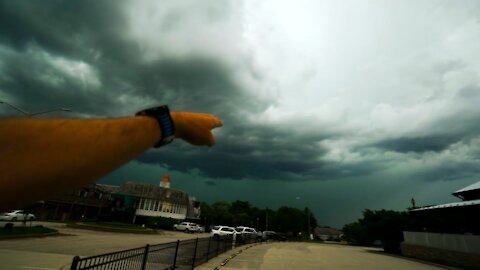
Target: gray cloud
{"points": [[297, 106], [196, 83], [263, 153], [420, 145]]}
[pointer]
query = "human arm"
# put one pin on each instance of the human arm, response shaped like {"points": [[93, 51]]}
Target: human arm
{"points": [[40, 157]]}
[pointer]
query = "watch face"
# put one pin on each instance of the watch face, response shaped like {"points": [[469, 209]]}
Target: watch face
{"points": [[164, 119]]}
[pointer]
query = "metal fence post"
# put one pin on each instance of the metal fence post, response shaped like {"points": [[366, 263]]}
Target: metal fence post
{"points": [[145, 257], [208, 249], [176, 253], [194, 253], [225, 245], [75, 263], [218, 246]]}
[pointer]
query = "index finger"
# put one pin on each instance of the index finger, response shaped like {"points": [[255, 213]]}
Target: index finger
{"points": [[216, 122], [211, 121]]}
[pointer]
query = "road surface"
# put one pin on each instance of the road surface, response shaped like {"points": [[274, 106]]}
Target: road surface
{"points": [[312, 256]]}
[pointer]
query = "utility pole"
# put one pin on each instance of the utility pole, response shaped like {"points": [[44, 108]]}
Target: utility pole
{"points": [[308, 221], [310, 236], [30, 114], [266, 219]]}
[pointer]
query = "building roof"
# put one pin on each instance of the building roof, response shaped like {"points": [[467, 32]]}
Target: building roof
{"points": [[326, 231], [469, 188], [154, 192], [108, 188], [449, 205]]}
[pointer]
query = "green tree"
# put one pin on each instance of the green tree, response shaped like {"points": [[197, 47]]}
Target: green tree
{"points": [[384, 225], [242, 213], [221, 214]]}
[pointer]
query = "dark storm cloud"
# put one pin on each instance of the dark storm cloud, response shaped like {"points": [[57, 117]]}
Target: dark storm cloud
{"points": [[460, 126], [197, 84], [418, 145], [38, 35], [41, 40], [71, 30], [270, 154], [91, 32], [450, 171], [210, 183], [76, 29]]}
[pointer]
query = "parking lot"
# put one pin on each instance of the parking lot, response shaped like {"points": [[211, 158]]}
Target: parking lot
{"points": [[56, 252]]}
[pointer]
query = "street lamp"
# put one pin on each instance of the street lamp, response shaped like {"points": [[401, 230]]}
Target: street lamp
{"points": [[30, 114]]}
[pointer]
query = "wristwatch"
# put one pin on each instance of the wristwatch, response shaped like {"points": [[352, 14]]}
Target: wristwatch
{"points": [[164, 119]]}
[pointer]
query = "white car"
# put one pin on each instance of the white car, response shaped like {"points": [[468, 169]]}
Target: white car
{"points": [[15, 215], [186, 227], [200, 229], [247, 232], [222, 231]]}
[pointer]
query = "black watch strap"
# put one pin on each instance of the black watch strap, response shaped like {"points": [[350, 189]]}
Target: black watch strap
{"points": [[165, 121]]}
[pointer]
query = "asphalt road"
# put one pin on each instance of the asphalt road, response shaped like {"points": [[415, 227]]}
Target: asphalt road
{"points": [[306, 256]]}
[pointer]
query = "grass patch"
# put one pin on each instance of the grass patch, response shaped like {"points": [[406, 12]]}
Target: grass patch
{"points": [[26, 231], [112, 227]]}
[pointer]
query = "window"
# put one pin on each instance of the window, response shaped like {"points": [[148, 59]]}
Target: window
{"points": [[149, 204]]}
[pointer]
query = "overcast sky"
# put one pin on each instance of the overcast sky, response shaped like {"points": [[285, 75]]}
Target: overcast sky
{"points": [[335, 105]]}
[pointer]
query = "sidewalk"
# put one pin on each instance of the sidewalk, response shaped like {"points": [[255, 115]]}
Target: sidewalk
{"points": [[22, 260], [222, 261]]}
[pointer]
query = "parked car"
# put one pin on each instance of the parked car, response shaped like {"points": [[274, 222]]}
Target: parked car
{"points": [[246, 230], [271, 235], [16, 215], [222, 231], [245, 233], [186, 227], [200, 229]]}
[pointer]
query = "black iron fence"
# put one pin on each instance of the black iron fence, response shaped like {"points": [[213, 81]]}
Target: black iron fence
{"points": [[185, 254]]}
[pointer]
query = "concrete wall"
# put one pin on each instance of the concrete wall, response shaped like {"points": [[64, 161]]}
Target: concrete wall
{"points": [[453, 242], [453, 249]]}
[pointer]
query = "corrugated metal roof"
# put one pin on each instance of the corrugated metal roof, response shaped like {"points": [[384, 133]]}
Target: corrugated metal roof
{"points": [[448, 205], [468, 188]]}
